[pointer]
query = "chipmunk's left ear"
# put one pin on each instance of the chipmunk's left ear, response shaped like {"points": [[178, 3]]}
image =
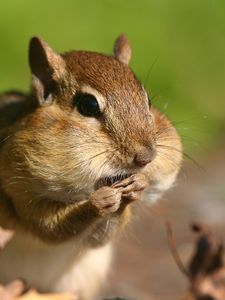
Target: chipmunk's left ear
{"points": [[47, 69], [122, 49]]}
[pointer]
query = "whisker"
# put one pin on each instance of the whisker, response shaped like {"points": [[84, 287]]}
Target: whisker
{"points": [[154, 98], [106, 162], [163, 130], [150, 71], [168, 158], [185, 155], [174, 123], [5, 139]]}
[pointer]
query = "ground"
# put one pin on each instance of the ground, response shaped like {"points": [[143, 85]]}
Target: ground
{"points": [[143, 265]]}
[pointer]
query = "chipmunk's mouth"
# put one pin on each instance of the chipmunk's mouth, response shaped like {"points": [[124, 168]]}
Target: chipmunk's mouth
{"points": [[110, 180]]}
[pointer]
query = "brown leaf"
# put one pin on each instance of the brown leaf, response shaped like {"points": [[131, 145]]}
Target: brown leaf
{"points": [[12, 290], [208, 255], [213, 285], [206, 266]]}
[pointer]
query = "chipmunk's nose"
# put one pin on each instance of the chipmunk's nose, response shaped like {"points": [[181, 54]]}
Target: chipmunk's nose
{"points": [[144, 155]]}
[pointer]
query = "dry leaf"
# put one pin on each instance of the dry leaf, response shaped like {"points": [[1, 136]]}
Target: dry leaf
{"points": [[12, 290]]}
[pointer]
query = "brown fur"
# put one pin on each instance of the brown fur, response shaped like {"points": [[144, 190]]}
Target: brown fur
{"points": [[51, 156]]}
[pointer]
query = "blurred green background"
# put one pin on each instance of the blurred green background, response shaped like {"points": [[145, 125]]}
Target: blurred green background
{"points": [[178, 51]]}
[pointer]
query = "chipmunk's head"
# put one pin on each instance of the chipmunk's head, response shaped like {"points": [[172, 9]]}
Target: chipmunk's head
{"points": [[92, 123]]}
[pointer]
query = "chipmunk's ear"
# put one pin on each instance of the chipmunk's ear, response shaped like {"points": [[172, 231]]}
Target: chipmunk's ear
{"points": [[47, 68], [122, 49]]}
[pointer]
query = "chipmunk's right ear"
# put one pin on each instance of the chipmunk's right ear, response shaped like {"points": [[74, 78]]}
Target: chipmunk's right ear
{"points": [[47, 68], [122, 49]]}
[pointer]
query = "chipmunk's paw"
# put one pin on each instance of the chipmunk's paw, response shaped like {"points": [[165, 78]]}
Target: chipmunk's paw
{"points": [[132, 187], [106, 200]]}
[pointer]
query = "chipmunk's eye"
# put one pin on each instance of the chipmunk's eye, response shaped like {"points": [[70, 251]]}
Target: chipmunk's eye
{"points": [[87, 105]]}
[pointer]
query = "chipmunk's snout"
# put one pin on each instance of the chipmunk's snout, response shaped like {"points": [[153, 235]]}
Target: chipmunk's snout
{"points": [[144, 155]]}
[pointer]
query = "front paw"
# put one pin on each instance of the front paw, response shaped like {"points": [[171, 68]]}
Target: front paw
{"points": [[132, 187], [106, 200]]}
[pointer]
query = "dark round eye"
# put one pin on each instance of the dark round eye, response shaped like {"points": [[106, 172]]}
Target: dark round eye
{"points": [[87, 105]]}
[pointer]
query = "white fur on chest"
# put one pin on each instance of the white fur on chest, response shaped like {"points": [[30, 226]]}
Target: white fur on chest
{"points": [[62, 267], [38, 263]]}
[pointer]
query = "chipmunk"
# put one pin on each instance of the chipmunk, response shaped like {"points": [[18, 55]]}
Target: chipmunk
{"points": [[76, 153]]}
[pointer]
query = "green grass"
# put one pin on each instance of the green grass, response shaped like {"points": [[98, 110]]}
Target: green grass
{"points": [[180, 44]]}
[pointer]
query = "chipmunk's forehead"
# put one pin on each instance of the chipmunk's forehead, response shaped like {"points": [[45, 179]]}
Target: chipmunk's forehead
{"points": [[105, 73]]}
